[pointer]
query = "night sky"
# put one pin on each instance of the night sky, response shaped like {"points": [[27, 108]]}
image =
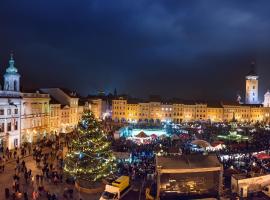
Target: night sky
{"points": [[187, 49]]}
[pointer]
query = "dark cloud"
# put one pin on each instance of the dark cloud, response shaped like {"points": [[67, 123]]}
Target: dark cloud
{"points": [[188, 49]]}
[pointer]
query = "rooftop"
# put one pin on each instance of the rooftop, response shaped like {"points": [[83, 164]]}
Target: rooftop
{"points": [[246, 176], [188, 162]]}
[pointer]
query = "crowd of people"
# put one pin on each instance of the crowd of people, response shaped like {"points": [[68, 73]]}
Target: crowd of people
{"points": [[35, 181]]}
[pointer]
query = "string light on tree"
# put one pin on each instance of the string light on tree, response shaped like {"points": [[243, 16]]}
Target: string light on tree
{"points": [[91, 158]]}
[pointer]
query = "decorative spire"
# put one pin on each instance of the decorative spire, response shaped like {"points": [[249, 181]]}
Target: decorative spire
{"points": [[11, 68]]}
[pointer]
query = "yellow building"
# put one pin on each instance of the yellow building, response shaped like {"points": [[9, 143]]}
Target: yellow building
{"points": [[119, 107], [55, 116], [69, 107], [131, 110], [98, 107]]}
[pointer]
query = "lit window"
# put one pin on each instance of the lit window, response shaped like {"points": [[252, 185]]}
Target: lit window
{"points": [[9, 126]]}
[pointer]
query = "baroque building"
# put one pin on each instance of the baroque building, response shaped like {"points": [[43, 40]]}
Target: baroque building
{"points": [[26, 117]]}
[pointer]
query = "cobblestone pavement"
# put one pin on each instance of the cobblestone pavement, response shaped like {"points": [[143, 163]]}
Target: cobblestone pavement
{"points": [[6, 179]]}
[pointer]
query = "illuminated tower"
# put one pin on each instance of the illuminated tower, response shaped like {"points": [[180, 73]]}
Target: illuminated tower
{"points": [[11, 77], [252, 84]]}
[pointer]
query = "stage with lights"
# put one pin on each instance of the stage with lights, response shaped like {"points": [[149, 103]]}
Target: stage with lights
{"points": [[191, 176]]}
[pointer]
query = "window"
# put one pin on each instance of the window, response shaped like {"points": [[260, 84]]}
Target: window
{"points": [[2, 127], [9, 111], [2, 111], [16, 125], [253, 87], [9, 126], [16, 111], [15, 142]]}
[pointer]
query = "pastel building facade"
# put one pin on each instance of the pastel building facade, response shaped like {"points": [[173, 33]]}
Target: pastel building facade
{"points": [[128, 110], [69, 107]]}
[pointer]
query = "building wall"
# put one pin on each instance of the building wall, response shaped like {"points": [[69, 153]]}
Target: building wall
{"points": [[10, 123], [215, 114], [252, 88], [35, 116], [55, 118], [69, 107], [119, 110], [158, 111], [98, 107]]}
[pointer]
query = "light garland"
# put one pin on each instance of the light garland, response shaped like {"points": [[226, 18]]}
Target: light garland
{"points": [[91, 158]]}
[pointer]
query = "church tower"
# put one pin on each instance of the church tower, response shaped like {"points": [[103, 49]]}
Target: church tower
{"points": [[11, 77], [252, 86]]}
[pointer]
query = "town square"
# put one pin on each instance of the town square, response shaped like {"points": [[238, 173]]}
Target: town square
{"points": [[134, 100]]}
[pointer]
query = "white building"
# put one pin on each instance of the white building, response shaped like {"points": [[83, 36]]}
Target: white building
{"points": [[266, 102], [29, 116], [10, 108]]}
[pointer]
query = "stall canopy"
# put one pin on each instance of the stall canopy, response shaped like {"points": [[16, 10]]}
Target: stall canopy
{"points": [[262, 156], [201, 143], [154, 136], [142, 135]]}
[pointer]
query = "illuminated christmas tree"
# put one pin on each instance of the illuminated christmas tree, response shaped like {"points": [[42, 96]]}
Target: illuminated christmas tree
{"points": [[91, 158]]}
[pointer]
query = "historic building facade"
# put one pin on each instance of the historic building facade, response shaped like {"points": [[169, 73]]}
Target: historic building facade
{"points": [[130, 111], [69, 107], [35, 116], [134, 110], [29, 116]]}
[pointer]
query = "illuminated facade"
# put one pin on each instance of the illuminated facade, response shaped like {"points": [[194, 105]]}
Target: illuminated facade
{"points": [[128, 110], [133, 110], [266, 102], [69, 106], [29, 116], [98, 107], [55, 116], [252, 87], [35, 116], [10, 108]]}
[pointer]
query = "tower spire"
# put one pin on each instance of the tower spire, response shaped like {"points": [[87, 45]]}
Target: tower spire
{"points": [[11, 68], [253, 70], [12, 77]]}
